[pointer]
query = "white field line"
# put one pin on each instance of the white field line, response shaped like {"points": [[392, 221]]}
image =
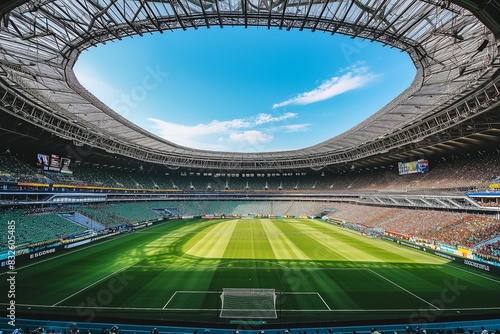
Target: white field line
{"points": [[474, 273], [329, 309], [297, 293], [308, 293], [198, 291], [170, 299], [88, 286], [175, 293], [407, 291]]}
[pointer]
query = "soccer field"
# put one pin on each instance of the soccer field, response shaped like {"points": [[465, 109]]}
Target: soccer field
{"points": [[176, 271]]}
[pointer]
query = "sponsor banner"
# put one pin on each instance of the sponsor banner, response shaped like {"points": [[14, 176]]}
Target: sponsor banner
{"points": [[478, 265], [41, 253], [75, 244], [407, 244], [4, 255], [79, 235], [104, 236], [30, 184], [446, 256], [452, 257], [22, 251]]}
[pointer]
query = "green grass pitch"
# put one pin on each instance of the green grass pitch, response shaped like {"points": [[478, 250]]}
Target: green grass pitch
{"points": [[176, 271]]}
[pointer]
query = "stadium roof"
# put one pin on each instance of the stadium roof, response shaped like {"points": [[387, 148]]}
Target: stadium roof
{"points": [[453, 98]]}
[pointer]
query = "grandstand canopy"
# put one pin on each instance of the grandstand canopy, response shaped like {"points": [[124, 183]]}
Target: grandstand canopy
{"points": [[453, 101]]}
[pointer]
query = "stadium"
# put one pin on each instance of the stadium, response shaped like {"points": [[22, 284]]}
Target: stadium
{"points": [[394, 223]]}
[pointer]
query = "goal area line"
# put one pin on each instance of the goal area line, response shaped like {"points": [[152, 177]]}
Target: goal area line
{"points": [[185, 300]]}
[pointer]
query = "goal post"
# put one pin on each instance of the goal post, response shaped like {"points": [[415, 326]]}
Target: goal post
{"points": [[238, 303]]}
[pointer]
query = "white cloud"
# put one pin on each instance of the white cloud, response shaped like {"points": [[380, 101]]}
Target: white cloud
{"points": [[267, 118], [296, 127], [208, 136], [168, 129], [356, 77], [250, 137], [222, 135]]}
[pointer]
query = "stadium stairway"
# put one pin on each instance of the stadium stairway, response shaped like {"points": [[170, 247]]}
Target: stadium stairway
{"points": [[82, 220]]}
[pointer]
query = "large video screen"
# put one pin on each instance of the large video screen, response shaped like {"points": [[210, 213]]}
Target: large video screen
{"points": [[412, 167], [53, 163], [422, 166], [65, 165], [42, 161]]}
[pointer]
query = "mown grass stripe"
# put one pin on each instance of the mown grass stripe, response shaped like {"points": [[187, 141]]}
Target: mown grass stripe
{"points": [[335, 245], [249, 241], [214, 242], [282, 246], [302, 239]]}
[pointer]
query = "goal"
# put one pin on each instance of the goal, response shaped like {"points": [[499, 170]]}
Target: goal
{"points": [[248, 303]]}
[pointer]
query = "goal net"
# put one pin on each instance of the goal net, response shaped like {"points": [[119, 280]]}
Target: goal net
{"points": [[248, 303]]}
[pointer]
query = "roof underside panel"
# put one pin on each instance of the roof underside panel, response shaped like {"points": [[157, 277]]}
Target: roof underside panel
{"points": [[455, 54]]}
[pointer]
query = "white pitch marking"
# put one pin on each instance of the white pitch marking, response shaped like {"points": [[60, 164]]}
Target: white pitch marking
{"points": [[88, 286], [170, 299], [407, 291]]}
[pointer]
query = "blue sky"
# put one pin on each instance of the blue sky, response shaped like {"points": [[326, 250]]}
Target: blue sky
{"points": [[245, 90]]}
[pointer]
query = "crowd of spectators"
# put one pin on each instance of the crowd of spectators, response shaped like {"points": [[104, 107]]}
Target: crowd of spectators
{"points": [[467, 231], [426, 226], [32, 228], [448, 173], [14, 170], [489, 251], [110, 215], [491, 202]]}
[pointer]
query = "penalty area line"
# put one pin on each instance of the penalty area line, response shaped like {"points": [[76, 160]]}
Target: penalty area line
{"points": [[164, 307], [194, 292], [88, 286], [329, 309], [405, 290]]}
